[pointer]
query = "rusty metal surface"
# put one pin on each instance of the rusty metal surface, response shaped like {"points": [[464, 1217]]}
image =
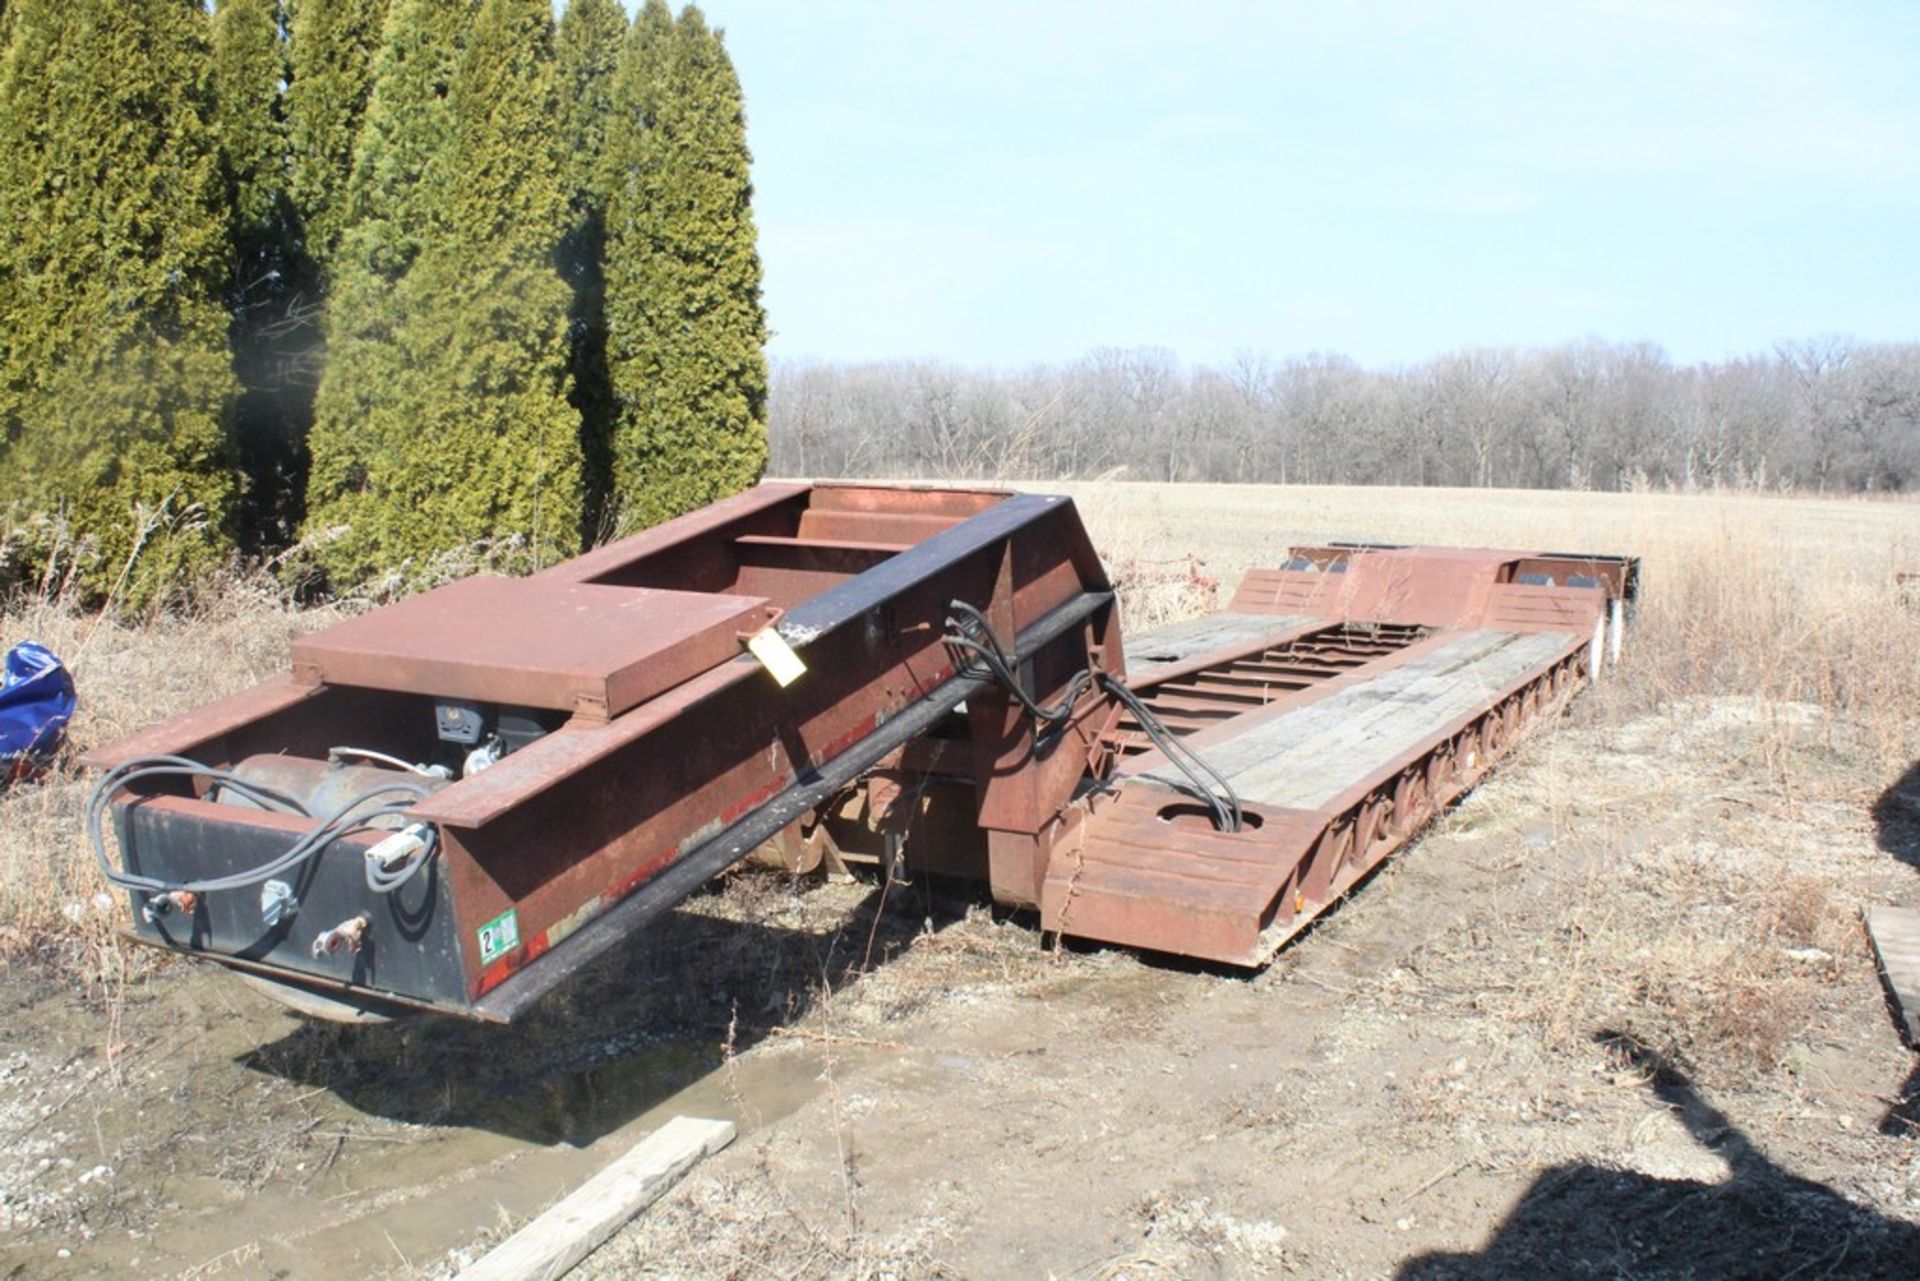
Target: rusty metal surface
{"points": [[726, 547], [1145, 869], [709, 851], [957, 502], [770, 508], [585, 648], [1432, 586], [682, 753], [1342, 740], [1523, 607], [730, 743], [189, 734]]}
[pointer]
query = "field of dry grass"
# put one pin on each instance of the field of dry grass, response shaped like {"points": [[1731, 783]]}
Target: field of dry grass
{"points": [[1647, 922]]}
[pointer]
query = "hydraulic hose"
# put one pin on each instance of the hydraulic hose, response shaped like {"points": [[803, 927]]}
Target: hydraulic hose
{"points": [[982, 655], [332, 827]]}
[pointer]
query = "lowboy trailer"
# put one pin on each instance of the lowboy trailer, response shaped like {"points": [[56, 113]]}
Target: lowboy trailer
{"points": [[455, 802]]}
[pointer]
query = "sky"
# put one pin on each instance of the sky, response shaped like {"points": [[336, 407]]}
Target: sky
{"points": [[1001, 184]]}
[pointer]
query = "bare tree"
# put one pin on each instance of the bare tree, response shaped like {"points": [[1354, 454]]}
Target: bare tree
{"points": [[1825, 413]]}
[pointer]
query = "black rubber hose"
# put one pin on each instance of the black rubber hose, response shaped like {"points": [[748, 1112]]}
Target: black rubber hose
{"points": [[309, 845], [970, 633]]}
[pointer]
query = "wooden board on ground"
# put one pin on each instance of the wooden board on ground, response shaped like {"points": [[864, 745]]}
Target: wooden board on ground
{"points": [[1895, 932], [571, 1230]]}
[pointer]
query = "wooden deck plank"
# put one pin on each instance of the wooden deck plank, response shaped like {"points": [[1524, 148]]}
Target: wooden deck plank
{"points": [[1895, 932], [1231, 682], [1176, 642], [1305, 757], [1329, 725]]}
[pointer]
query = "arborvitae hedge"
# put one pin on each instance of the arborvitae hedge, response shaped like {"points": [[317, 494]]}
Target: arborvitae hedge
{"points": [[443, 424], [587, 55], [368, 377], [497, 309], [518, 268], [115, 374], [332, 47], [685, 326], [249, 64]]}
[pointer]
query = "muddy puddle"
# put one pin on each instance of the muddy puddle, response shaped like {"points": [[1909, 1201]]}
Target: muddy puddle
{"points": [[193, 1128]]}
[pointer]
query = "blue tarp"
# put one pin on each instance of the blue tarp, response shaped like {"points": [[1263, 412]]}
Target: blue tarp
{"points": [[36, 702]]}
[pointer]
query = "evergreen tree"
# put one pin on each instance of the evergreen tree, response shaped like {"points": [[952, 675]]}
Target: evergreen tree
{"points": [[114, 372], [266, 284], [248, 67], [385, 211], [587, 54], [685, 326], [443, 419], [332, 47]]}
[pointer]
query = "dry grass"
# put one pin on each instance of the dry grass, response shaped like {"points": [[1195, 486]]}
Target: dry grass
{"points": [[1774, 675], [130, 672], [1780, 611], [1789, 600]]}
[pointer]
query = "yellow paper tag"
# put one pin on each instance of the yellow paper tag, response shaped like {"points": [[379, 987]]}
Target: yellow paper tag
{"points": [[771, 648]]}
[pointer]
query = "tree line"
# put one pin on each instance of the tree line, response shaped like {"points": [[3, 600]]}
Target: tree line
{"points": [[359, 283], [1829, 414]]}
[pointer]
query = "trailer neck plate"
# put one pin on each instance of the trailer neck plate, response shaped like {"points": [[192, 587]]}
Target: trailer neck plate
{"points": [[593, 649]]}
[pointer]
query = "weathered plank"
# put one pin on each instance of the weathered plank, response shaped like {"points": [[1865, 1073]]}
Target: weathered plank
{"points": [[1895, 932], [1306, 756], [571, 1230], [1176, 642]]}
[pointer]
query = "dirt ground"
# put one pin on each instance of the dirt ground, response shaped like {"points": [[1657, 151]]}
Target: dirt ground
{"points": [[1614, 1016]]}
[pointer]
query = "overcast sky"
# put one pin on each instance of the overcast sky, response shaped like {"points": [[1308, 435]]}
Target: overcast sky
{"points": [[1000, 183]]}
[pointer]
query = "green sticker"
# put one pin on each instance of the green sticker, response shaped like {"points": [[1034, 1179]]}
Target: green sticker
{"points": [[499, 936]]}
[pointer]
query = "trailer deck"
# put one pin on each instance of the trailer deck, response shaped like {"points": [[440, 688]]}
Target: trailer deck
{"points": [[1336, 775]]}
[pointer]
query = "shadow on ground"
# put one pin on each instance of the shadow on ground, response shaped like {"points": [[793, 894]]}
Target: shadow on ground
{"points": [[637, 1027], [1763, 1222], [1896, 817], [1896, 826]]}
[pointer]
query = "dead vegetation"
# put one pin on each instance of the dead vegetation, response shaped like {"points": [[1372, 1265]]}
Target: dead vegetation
{"points": [[1677, 870], [130, 671]]}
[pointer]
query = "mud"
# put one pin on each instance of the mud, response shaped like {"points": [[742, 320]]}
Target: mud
{"points": [[189, 1126], [1500, 1057]]}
